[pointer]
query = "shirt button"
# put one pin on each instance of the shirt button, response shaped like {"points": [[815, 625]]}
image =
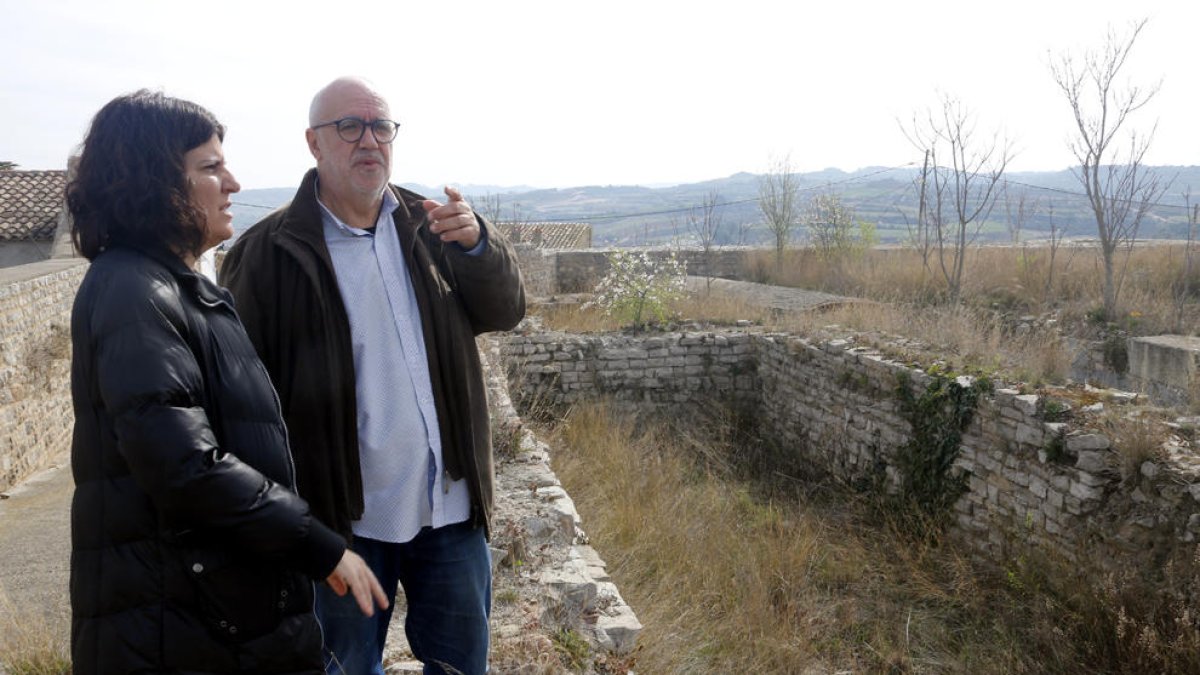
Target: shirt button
{"points": [[197, 568]]}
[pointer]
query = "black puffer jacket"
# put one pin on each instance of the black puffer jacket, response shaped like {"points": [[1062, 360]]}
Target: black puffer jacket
{"points": [[190, 550]]}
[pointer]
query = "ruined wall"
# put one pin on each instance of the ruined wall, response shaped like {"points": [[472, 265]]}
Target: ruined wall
{"points": [[35, 397], [579, 271], [1027, 479], [539, 269], [634, 372]]}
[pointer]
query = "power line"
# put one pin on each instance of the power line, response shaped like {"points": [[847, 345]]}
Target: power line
{"points": [[1165, 205]]}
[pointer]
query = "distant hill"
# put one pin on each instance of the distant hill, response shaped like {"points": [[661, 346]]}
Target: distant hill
{"points": [[249, 206], [631, 214]]}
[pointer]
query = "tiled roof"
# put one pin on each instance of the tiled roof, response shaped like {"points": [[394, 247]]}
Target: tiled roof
{"points": [[29, 204], [549, 235]]}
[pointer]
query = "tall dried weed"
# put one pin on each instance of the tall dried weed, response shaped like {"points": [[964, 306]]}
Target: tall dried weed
{"points": [[727, 576], [29, 644]]}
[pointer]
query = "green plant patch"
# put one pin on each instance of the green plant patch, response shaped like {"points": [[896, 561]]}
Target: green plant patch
{"points": [[938, 416]]}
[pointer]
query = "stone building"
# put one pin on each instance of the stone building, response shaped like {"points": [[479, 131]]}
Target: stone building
{"points": [[33, 217], [549, 235]]}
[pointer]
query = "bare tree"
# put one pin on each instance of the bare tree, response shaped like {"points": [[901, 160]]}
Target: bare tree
{"points": [[1017, 212], [489, 206], [778, 192], [920, 235], [517, 225], [704, 222], [831, 225], [957, 199], [1119, 189], [1184, 287], [1056, 238]]}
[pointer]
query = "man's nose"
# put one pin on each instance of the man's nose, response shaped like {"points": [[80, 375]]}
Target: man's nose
{"points": [[368, 137]]}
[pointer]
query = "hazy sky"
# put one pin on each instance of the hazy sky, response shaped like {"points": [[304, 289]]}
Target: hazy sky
{"points": [[567, 93]]}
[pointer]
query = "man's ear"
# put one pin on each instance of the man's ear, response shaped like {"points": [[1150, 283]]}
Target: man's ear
{"points": [[310, 135]]}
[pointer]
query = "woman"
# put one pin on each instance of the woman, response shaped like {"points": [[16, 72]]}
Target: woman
{"points": [[190, 550]]}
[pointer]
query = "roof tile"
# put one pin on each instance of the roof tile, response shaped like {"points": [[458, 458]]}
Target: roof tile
{"points": [[30, 202], [549, 235]]}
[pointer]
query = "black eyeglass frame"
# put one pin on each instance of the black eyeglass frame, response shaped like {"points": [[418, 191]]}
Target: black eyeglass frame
{"points": [[340, 126]]}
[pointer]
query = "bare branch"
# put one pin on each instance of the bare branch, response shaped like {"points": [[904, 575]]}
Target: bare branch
{"points": [[1119, 189]]}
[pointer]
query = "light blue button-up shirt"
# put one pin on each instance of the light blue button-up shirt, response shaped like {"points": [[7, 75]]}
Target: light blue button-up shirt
{"points": [[405, 485]]}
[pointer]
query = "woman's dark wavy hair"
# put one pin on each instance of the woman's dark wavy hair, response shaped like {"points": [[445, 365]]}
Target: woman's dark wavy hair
{"points": [[130, 185]]}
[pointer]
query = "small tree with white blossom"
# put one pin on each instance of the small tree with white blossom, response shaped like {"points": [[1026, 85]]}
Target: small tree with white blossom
{"points": [[639, 286]]}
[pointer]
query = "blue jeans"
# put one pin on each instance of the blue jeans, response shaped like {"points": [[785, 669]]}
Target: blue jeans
{"points": [[447, 578]]}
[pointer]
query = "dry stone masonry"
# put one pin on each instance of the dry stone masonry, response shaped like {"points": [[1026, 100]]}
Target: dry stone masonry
{"points": [[35, 397], [1028, 480], [574, 271]]}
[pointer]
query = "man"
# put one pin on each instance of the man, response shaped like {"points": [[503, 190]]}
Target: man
{"points": [[363, 300]]}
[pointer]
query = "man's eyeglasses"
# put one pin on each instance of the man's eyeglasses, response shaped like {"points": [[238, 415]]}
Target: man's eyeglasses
{"points": [[351, 129]]}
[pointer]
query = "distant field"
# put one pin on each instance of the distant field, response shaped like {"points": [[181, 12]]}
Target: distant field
{"points": [[636, 215]]}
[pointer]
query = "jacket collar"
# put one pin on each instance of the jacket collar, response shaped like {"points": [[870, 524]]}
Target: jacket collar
{"points": [[303, 218], [205, 291]]}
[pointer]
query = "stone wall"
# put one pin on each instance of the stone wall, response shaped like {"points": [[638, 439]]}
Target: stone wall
{"points": [[538, 269], [579, 271], [13, 253], [555, 369], [1164, 368], [1027, 479], [35, 397]]}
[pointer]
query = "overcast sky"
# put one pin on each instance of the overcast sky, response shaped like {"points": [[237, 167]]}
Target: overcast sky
{"points": [[564, 93]]}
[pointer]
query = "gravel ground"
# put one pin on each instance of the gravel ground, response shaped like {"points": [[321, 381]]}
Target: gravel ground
{"points": [[35, 553]]}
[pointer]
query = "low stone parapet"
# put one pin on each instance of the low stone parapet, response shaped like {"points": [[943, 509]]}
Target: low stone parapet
{"points": [[35, 342], [1164, 366]]}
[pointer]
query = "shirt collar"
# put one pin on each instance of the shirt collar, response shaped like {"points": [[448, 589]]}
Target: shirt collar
{"points": [[330, 221]]}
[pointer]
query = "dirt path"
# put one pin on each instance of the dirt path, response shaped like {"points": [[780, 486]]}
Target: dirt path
{"points": [[35, 550]]}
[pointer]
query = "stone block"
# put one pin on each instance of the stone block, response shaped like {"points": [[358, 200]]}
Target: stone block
{"points": [[1037, 487], [617, 631], [1150, 470], [1084, 492], [1081, 442], [1029, 434], [1092, 461], [1168, 360], [1026, 404]]}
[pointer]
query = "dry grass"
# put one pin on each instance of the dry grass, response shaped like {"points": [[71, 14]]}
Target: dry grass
{"points": [[727, 580], [959, 336], [730, 576], [1136, 439], [1018, 280], [29, 645], [986, 331]]}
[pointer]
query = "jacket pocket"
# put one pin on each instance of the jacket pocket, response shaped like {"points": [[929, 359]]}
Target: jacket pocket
{"points": [[237, 599]]}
